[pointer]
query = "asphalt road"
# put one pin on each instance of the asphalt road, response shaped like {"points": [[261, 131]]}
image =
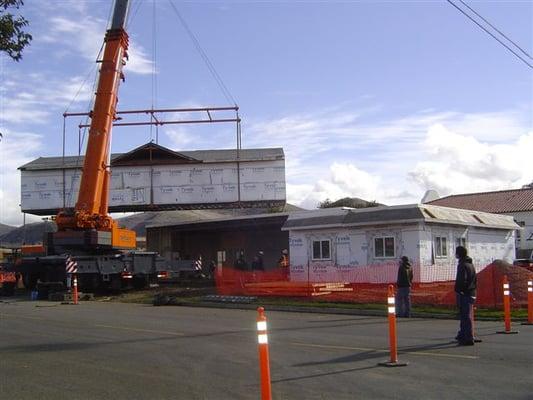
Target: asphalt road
{"points": [[126, 351]]}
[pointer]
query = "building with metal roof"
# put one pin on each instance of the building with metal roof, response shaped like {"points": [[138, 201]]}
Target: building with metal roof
{"points": [[364, 245], [517, 203]]}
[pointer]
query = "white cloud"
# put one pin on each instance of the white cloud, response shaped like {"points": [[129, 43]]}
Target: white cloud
{"points": [[340, 153], [85, 35], [16, 149], [179, 138], [344, 180], [33, 98], [457, 164]]}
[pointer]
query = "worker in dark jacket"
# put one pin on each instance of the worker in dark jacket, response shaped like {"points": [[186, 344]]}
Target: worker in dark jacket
{"points": [[404, 282], [465, 287]]}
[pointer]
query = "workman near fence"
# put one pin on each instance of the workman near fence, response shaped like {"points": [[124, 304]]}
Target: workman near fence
{"points": [[403, 294], [465, 287], [240, 263], [257, 263], [283, 263]]}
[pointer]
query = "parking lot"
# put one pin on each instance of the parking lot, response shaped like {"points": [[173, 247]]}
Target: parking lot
{"points": [[127, 351]]}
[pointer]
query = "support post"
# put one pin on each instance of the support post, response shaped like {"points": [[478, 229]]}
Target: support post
{"points": [[529, 303], [264, 362], [391, 310], [507, 307], [74, 289]]}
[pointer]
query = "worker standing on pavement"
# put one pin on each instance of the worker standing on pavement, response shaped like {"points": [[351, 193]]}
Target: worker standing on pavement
{"points": [[465, 287], [404, 282]]}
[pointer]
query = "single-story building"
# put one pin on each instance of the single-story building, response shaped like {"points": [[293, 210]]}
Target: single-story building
{"points": [[364, 245], [221, 239], [517, 203]]}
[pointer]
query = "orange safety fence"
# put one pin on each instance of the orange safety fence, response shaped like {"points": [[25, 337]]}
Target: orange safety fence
{"points": [[278, 283]]}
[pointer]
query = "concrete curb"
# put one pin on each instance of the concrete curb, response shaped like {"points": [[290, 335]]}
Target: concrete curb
{"points": [[321, 310]]}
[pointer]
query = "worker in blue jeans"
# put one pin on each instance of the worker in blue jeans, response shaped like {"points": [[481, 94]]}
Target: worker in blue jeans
{"points": [[404, 282], [465, 287]]}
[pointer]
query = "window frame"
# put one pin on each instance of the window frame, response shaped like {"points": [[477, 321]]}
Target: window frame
{"points": [[438, 245], [383, 239], [321, 241]]}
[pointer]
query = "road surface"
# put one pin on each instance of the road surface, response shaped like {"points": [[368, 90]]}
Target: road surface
{"points": [[127, 351]]}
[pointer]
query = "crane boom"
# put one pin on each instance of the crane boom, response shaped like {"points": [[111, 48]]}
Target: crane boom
{"points": [[91, 210]]}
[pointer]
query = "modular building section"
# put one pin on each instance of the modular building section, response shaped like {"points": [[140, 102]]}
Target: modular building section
{"points": [[153, 177], [220, 240], [346, 245]]}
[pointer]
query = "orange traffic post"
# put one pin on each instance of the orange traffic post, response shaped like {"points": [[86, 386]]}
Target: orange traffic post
{"points": [[476, 339], [264, 363], [391, 307], [529, 304], [507, 307], [74, 289]]}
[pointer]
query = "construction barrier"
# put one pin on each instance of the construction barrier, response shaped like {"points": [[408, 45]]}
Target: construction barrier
{"points": [[529, 303], [507, 306], [264, 362], [393, 341], [476, 339], [274, 282], [74, 289]]}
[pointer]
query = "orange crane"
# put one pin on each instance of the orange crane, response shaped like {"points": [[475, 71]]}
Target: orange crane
{"points": [[88, 241], [91, 211]]}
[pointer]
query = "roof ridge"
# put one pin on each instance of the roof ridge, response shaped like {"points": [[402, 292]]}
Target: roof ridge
{"points": [[478, 193]]}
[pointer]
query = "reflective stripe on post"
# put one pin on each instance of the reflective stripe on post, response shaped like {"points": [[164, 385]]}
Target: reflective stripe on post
{"points": [[507, 306], [74, 289], [391, 308], [264, 363], [529, 304]]}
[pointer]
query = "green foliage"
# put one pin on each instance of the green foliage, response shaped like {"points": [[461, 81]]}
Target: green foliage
{"points": [[352, 202], [13, 38]]}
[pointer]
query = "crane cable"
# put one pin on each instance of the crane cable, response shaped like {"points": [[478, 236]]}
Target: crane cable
{"points": [[490, 33], [223, 88]]}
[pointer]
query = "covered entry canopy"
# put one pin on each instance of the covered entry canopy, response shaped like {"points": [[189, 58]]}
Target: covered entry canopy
{"points": [[152, 178]]}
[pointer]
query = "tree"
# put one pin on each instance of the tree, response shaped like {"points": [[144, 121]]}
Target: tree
{"points": [[13, 38], [352, 202]]}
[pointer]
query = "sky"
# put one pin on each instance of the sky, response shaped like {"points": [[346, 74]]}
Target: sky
{"points": [[380, 100]]}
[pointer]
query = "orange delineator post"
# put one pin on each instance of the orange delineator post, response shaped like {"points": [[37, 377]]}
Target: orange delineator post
{"points": [[391, 309], [264, 362], [529, 304], [74, 289], [507, 306], [476, 339]]}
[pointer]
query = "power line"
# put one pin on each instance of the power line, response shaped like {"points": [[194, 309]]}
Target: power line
{"points": [[491, 34], [497, 30]]}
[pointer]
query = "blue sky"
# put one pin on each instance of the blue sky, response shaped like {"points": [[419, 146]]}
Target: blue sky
{"points": [[375, 99]]}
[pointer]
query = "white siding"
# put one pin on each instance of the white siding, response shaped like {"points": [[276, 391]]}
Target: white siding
{"points": [[208, 183], [353, 258]]}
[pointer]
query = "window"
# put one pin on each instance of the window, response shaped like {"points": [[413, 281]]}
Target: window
{"points": [[518, 231], [321, 250], [441, 248], [461, 241], [384, 247]]}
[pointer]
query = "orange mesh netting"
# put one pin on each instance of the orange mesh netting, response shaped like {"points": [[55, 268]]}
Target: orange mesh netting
{"points": [[278, 283]]}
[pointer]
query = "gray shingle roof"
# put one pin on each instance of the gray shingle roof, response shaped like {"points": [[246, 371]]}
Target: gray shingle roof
{"points": [[399, 214], [206, 156]]}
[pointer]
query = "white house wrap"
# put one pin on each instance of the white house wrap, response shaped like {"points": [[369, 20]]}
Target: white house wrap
{"points": [[364, 245]]}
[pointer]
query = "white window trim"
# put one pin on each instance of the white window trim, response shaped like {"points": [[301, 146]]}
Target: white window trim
{"points": [[435, 245], [384, 256], [320, 241]]}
